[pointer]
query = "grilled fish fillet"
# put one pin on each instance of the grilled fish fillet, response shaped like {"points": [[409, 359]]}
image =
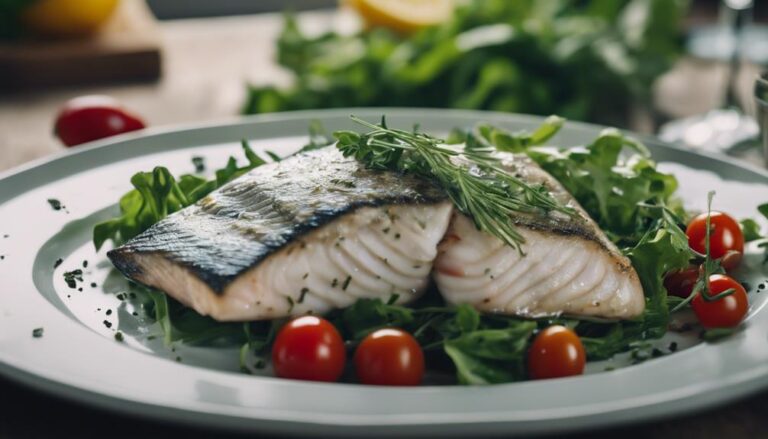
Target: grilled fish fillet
{"points": [[570, 267], [306, 235]]}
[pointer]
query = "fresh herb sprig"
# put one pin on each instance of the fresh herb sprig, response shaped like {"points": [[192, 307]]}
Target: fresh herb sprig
{"points": [[473, 179]]}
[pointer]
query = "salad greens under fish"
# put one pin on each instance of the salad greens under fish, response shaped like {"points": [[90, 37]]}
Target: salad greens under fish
{"points": [[613, 178]]}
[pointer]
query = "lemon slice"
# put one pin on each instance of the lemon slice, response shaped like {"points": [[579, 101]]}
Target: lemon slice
{"points": [[403, 16]]}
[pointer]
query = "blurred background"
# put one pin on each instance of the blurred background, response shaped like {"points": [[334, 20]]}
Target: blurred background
{"points": [[683, 69]]}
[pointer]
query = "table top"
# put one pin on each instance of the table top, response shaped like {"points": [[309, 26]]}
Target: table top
{"points": [[202, 82]]}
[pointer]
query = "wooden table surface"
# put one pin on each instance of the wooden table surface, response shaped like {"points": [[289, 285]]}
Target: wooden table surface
{"points": [[205, 67]]}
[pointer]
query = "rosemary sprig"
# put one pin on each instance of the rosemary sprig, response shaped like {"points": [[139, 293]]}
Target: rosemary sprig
{"points": [[473, 179]]}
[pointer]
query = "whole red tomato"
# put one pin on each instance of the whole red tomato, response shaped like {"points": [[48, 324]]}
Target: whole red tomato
{"points": [[726, 239], [556, 352], [389, 357], [726, 312], [88, 118], [309, 348]]}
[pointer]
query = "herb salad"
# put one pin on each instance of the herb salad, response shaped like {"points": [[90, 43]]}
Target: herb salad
{"points": [[613, 178]]}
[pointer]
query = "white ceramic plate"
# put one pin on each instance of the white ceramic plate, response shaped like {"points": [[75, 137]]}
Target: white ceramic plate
{"points": [[78, 356]]}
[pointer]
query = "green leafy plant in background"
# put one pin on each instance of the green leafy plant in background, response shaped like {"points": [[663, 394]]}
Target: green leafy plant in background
{"points": [[585, 60]]}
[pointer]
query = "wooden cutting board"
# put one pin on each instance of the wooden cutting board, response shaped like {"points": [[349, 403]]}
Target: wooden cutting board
{"points": [[127, 48]]}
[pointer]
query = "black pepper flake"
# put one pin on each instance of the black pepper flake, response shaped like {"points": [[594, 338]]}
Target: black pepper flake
{"points": [[37, 332], [178, 359], [119, 336], [334, 283], [109, 312], [135, 314], [80, 289], [151, 337], [199, 163], [132, 295], [55, 204], [290, 303], [261, 364], [2, 257], [487, 271], [304, 292], [673, 346], [93, 285], [385, 230], [57, 263], [6, 236], [656, 353], [397, 236], [346, 283], [85, 264], [305, 276], [120, 296], [107, 323]]}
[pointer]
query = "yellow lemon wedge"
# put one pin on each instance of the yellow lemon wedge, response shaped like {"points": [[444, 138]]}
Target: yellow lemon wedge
{"points": [[403, 16], [67, 18]]}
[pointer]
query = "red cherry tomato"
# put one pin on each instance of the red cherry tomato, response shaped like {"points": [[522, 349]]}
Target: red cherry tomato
{"points": [[94, 117], [556, 352], [726, 239], [309, 348], [389, 357], [680, 283], [726, 312]]}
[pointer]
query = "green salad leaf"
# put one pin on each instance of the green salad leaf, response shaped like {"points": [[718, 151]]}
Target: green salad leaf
{"points": [[514, 56]]}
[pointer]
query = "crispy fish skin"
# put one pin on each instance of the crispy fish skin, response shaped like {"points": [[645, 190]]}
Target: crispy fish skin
{"points": [[353, 232], [570, 267]]}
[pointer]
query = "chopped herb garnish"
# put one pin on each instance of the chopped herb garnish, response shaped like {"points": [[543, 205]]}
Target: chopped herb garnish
{"points": [[397, 236], [393, 299], [346, 283], [199, 163], [109, 312], [385, 230], [72, 277], [334, 283], [119, 336], [120, 296], [85, 264], [304, 292], [290, 303], [57, 263], [107, 323], [55, 204], [37, 332], [305, 275], [260, 364], [673, 346]]}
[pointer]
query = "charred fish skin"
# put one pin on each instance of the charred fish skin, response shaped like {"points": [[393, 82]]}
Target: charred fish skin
{"points": [[569, 267], [378, 229], [239, 225]]}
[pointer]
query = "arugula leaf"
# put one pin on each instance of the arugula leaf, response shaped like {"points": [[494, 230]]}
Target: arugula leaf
{"points": [[622, 193], [751, 230]]}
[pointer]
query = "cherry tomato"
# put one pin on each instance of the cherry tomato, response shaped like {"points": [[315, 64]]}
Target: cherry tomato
{"points": [[389, 357], [726, 312], [556, 352], [309, 348], [726, 239], [94, 117], [680, 283]]}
